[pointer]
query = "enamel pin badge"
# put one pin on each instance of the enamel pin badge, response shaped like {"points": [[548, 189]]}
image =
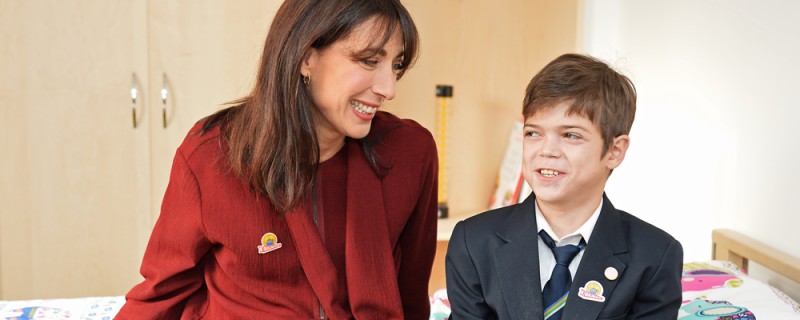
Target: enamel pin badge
{"points": [[592, 291], [269, 243], [611, 273]]}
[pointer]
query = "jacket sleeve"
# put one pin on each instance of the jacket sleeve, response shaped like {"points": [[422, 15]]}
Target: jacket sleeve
{"points": [[177, 244], [463, 283], [418, 243], [660, 297]]}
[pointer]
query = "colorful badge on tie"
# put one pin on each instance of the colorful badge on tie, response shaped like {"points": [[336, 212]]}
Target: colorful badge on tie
{"points": [[592, 291], [269, 242]]}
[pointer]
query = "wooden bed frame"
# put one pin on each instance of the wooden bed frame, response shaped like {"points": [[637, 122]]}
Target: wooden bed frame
{"points": [[740, 249]]}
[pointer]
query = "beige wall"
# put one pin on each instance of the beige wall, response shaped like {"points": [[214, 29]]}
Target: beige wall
{"points": [[488, 51], [715, 142]]}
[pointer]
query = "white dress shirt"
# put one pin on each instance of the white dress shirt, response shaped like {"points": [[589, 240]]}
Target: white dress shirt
{"points": [[547, 261]]}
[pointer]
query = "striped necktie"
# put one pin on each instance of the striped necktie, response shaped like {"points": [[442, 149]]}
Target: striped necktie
{"points": [[556, 290]]}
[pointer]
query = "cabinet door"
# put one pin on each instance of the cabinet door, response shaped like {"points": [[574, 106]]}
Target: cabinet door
{"points": [[74, 194], [204, 53]]}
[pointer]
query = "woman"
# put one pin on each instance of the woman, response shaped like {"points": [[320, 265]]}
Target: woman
{"points": [[302, 200]]}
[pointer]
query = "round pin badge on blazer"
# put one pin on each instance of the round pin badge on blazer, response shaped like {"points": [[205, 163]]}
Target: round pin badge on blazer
{"points": [[269, 242], [611, 273]]}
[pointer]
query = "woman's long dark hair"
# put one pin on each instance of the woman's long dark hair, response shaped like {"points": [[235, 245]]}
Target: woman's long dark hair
{"points": [[271, 132]]}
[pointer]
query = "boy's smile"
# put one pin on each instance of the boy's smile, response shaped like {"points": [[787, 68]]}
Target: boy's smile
{"points": [[564, 159]]}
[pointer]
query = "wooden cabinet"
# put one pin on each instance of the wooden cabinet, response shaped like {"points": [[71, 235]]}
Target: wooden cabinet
{"points": [[75, 188], [205, 53], [81, 187]]}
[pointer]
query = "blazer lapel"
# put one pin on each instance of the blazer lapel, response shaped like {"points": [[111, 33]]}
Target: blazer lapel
{"points": [[607, 242], [315, 260], [370, 269], [517, 263]]}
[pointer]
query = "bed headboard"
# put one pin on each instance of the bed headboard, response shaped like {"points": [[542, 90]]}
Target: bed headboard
{"points": [[740, 249]]}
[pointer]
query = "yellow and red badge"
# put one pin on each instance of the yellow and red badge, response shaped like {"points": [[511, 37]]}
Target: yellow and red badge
{"points": [[269, 242]]}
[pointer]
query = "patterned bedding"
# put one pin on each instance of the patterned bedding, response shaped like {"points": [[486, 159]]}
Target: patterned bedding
{"points": [[95, 308], [719, 290]]}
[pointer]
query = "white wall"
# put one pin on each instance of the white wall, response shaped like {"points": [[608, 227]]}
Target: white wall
{"points": [[715, 142]]}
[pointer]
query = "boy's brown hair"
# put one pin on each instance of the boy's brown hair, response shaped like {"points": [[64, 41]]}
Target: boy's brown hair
{"points": [[605, 96]]}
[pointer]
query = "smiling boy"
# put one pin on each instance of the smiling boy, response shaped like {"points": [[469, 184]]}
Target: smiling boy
{"points": [[566, 252]]}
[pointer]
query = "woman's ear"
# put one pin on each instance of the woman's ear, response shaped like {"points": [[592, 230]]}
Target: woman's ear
{"points": [[308, 62], [617, 150]]}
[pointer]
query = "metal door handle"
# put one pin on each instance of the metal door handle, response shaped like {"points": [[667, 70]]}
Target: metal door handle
{"points": [[134, 98], [164, 94]]}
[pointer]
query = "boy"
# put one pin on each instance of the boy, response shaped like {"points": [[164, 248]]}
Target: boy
{"points": [[604, 263]]}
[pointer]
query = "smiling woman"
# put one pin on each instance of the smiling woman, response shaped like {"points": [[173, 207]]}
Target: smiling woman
{"points": [[302, 199], [352, 78]]}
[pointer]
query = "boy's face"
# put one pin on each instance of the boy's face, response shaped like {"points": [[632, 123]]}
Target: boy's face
{"points": [[564, 159]]}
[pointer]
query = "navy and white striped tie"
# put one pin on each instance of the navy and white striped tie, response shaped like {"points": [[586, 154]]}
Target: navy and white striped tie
{"points": [[556, 290]]}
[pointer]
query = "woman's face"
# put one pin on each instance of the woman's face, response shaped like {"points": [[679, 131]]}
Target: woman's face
{"points": [[348, 85]]}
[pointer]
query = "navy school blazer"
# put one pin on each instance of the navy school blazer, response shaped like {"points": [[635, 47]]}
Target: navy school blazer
{"points": [[492, 267]]}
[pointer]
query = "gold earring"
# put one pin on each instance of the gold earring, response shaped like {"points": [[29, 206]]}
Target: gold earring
{"points": [[306, 79]]}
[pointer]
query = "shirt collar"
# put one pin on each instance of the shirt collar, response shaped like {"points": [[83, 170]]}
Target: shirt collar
{"points": [[573, 238]]}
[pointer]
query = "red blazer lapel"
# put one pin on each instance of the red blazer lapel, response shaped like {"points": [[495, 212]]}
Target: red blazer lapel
{"points": [[371, 275], [316, 262]]}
